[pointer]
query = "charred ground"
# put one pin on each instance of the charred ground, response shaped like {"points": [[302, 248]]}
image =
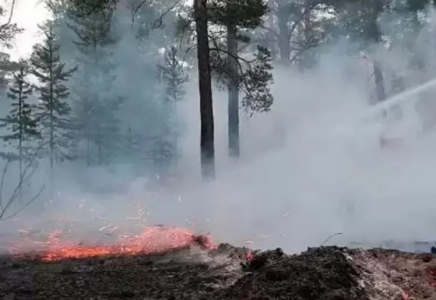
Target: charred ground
{"points": [[329, 273], [320, 273]]}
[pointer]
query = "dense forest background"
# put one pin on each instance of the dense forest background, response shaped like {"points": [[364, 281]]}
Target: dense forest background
{"points": [[113, 91]]}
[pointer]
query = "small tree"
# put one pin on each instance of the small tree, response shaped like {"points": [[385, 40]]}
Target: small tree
{"points": [[174, 79], [52, 110], [173, 76], [95, 95], [20, 121]]}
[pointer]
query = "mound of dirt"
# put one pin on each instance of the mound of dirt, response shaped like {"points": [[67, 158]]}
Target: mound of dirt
{"points": [[396, 275], [319, 273]]}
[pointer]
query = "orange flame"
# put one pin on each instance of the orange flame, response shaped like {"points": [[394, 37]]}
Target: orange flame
{"points": [[152, 240]]}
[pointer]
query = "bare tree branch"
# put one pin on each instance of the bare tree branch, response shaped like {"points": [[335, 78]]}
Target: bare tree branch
{"points": [[187, 52], [270, 30], [26, 175], [165, 12], [237, 58], [11, 13], [156, 23], [33, 199], [5, 169], [136, 9]]}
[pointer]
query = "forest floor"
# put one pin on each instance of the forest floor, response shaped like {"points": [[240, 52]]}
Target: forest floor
{"points": [[225, 273]]}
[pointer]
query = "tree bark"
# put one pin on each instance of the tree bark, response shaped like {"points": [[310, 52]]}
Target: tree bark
{"points": [[284, 44], [379, 82], [207, 145], [233, 92], [306, 59], [374, 36], [21, 135], [271, 36]]}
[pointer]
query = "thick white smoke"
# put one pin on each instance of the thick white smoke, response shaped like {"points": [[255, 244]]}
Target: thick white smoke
{"points": [[309, 168]]}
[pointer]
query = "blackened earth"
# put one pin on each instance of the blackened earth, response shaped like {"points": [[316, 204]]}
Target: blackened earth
{"points": [[319, 273]]}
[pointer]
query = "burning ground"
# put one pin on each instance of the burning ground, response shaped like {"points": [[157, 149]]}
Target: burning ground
{"points": [[175, 264]]}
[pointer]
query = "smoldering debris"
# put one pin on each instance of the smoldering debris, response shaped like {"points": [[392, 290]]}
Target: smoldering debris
{"points": [[226, 272]]}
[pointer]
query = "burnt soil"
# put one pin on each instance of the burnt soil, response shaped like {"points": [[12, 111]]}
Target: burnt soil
{"points": [[319, 273]]}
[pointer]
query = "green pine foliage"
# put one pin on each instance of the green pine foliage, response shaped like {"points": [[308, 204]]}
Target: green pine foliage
{"points": [[251, 76], [173, 76], [96, 104], [242, 13], [53, 109], [21, 122]]}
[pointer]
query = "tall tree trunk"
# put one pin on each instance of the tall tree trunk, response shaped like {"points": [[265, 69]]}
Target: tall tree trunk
{"points": [[100, 153], [233, 91], [20, 191], [51, 116], [284, 44], [374, 36], [306, 59], [51, 103], [51, 134], [88, 159], [379, 82], [207, 144], [271, 36], [20, 143], [51, 149], [51, 140], [398, 84]]}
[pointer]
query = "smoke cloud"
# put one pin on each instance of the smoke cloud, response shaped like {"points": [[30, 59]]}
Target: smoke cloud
{"points": [[308, 169]]}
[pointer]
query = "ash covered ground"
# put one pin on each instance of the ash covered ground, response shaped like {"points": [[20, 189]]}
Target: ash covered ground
{"points": [[225, 273]]}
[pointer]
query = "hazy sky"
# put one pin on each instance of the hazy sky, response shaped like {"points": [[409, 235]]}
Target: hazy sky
{"points": [[28, 14]]}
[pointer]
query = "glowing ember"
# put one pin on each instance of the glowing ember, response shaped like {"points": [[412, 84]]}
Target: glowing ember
{"points": [[249, 256], [152, 240], [432, 274]]}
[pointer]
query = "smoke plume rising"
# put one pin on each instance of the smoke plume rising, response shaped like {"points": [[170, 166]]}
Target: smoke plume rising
{"points": [[308, 169]]}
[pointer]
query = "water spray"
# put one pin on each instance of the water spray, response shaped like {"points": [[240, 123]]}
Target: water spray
{"points": [[353, 123], [396, 100]]}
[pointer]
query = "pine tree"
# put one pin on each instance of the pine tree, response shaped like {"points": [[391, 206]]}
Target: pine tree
{"points": [[21, 120], [207, 131], [94, 91], [6, 68], [229, 66], [134, 147], [173, 76], [8, 30], [291, 31], [85, 8], [53, 109], [252, 77], [174, 79]]}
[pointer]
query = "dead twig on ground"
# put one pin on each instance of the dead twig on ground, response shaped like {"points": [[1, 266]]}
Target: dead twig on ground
{"points": [[330, 237]]}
